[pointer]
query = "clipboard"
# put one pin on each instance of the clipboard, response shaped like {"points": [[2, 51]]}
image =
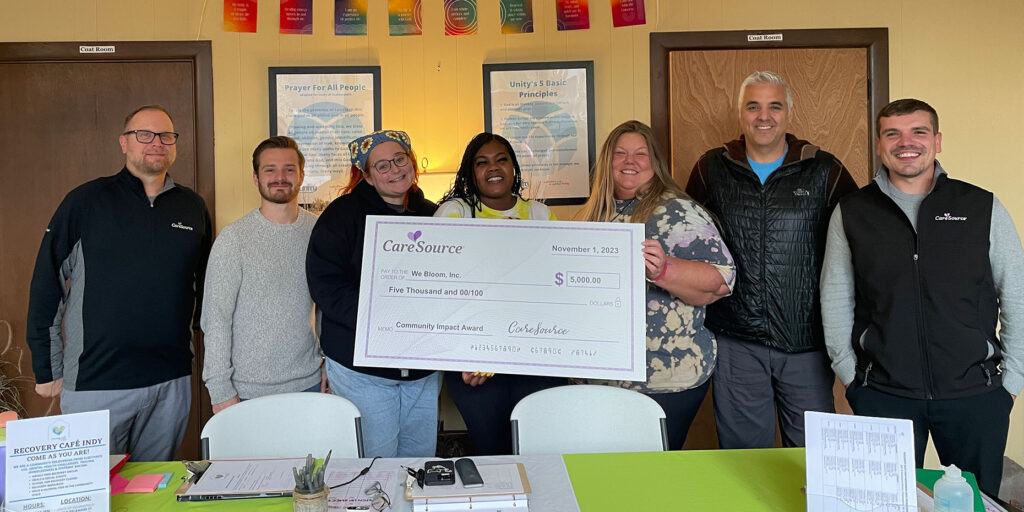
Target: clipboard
{"points": [[213, 480]]}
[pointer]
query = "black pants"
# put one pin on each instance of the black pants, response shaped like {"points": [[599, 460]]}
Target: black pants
{"points": [[680, 409], [487, 408], [969, 432]]}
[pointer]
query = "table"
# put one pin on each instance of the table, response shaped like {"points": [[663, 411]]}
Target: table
{"points": [[749, 480], [548, 479]]}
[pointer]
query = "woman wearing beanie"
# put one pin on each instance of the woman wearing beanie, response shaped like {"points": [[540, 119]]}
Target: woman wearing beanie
{"points": [[398, 407]]}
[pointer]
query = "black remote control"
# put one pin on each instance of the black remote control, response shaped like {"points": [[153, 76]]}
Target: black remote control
{"points": [[468, 473]]}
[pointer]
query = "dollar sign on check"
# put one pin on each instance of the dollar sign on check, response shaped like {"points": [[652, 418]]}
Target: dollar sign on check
{"points": [[558, 279]]}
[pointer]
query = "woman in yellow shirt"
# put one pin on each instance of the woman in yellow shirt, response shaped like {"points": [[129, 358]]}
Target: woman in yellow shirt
{"points": [[488, 185]]}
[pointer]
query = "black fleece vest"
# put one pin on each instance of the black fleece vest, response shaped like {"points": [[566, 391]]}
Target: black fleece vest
{"points": [[926, 305]]}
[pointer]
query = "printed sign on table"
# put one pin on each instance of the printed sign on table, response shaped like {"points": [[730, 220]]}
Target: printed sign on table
{"points": [[59, 463]]}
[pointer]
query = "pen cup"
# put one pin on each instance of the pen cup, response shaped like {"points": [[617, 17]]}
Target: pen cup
{"points": [[310, 502]]}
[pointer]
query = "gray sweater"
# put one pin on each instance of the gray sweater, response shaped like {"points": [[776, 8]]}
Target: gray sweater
{"points": [[257, 312], [1006, 257]]}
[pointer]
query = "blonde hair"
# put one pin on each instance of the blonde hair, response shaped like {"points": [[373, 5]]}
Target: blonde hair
{"points": [[600, 207]]}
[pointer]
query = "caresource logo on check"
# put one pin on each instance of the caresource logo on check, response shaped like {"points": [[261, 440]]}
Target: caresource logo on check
{"points": [[415, 245]]}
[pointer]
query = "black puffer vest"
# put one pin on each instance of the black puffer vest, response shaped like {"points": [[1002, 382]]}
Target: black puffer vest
{"points": [[926, 304], [776, 233]]}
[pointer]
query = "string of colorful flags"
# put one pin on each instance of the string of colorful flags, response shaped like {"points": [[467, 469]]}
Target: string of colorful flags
{"points": [[404, 16]]}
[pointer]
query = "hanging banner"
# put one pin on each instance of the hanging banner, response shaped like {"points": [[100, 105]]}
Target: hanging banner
{"points": [[516, 16], [350, 17], [460, 17], [628, 12], [404, 18], [296, 17], [573, 14], [240, 15]]}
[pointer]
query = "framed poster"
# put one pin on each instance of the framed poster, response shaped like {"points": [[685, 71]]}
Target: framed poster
{"points": [[546, 110], [324, 108]]}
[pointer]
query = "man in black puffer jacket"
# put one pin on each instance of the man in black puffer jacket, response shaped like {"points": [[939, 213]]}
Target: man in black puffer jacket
{"points": [[772, 194]]}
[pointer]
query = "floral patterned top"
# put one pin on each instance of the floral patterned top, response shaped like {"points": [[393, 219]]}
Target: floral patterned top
{"points": [[681, 352]]}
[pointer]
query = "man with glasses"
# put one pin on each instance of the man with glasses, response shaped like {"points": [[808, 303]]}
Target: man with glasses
{"points": [[114, 294]]}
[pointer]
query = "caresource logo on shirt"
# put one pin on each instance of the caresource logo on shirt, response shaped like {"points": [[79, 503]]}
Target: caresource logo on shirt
{"points": [[179, 225], [948, 217], [415, 245]]}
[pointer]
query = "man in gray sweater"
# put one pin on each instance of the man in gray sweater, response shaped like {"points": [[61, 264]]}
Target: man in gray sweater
{"points": [[257, 312], [919, 268]]}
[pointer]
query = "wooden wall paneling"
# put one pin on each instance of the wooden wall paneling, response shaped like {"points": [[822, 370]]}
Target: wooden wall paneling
{"points": [[620, 70], [444, 89]]}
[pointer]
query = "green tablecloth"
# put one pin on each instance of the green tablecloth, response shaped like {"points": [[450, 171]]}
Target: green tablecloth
{"points": [[748, 480], [163, 499]]}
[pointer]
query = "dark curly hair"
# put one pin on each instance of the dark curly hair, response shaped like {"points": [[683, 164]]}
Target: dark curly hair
{"points": [[465, 187]]}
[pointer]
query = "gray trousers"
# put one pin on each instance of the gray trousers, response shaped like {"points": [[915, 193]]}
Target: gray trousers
{"points": [[753, 383], [149, 423]]}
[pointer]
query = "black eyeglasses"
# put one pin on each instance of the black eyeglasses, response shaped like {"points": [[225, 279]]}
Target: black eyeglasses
{"points": [[384, 166], [146, 136], [379, 500]]}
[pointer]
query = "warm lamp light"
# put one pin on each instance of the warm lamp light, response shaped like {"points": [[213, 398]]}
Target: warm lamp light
{"points": [[435, 184]]}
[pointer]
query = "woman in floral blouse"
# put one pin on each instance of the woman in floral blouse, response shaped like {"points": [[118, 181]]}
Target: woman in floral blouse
{"points": [[688, 267]]}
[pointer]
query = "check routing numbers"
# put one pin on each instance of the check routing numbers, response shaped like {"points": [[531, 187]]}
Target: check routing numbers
{"points": [[533, 297]]}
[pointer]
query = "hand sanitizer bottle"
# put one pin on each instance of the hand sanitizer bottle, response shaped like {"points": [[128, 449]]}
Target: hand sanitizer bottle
{"points": [[952, 492]]}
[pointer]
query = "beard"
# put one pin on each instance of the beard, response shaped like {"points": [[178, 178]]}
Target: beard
{"points": [[151, 166], [279, 196]]}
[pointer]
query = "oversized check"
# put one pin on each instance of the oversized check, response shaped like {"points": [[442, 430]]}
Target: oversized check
{"points": [[528, 297]]}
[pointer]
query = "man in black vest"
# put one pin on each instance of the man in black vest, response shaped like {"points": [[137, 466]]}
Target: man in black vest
{"points": [[918, 269], [773, 194]]}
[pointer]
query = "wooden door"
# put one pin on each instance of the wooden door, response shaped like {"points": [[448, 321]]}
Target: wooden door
{"points": [[830, 101], [839, 81], [62, 111]]}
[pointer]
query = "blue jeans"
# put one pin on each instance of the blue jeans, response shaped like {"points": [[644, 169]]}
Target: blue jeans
{"points": [[399, 418]]}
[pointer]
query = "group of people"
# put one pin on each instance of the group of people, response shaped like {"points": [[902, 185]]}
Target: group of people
{"points": [[767, 274]]}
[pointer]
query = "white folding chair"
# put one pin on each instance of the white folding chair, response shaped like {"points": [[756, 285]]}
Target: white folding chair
{"points": [[285, 425], [587, 419]]}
